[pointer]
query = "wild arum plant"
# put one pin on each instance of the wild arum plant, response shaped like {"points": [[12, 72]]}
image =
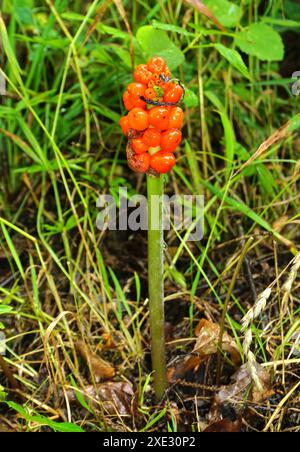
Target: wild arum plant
{"points": [[71, 71], [152, 127]]}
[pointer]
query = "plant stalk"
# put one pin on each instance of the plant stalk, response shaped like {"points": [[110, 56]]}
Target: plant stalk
{"points": [[156, 283]]}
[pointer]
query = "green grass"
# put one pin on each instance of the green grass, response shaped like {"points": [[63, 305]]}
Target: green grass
{"points": [[66, 65]]}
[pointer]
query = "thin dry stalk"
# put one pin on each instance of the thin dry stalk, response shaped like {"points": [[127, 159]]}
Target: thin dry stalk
{"points": [[255, 312]]}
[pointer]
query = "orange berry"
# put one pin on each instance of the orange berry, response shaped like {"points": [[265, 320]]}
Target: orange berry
{"points": [[150, 93], [124, 123], [155, 77], [127, 101], [152, 137], [139, 146], [138, 119], [142, 74], [156, 64], [159, 117], [169, 85], [175, 118], [136, 89], [173, 94], [137, 102], [162, 84], [162, 162], [170, 139]]}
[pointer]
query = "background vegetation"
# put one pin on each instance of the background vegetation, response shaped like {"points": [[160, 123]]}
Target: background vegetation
{"points": [[73, 303]]}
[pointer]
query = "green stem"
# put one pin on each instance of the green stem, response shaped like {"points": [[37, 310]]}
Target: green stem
{"points": [[156, 283]]}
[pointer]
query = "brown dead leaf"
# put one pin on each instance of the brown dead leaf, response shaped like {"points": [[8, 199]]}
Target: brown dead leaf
{"points": [[208, 334], [117, 398], [258, 396], [203, 9], [191, 363], [241, 390], [206, 345], [122, 12], [237, 392], [102, 370], [99, 14], [110, 341]]}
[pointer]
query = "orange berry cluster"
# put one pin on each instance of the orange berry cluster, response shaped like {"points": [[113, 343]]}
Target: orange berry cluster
{"points": [[153, 122]]}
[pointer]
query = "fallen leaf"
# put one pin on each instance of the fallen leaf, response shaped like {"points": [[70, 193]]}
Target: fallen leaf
{"points": [[208, 334], [117, 398], [192, 362], [238, 391], [233, 397], [206, 345], [102, 370]]}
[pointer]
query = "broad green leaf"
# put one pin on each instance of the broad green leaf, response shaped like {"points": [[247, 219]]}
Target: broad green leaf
{"points": [[227, 13], [262, 41], [234, 58], [157, 42]]}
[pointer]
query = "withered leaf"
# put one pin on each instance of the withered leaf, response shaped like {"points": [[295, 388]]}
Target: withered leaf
{"points": [[208, 334], [192, 362], [203, 9], [238, 391], [117, 398], [102, 370]]}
